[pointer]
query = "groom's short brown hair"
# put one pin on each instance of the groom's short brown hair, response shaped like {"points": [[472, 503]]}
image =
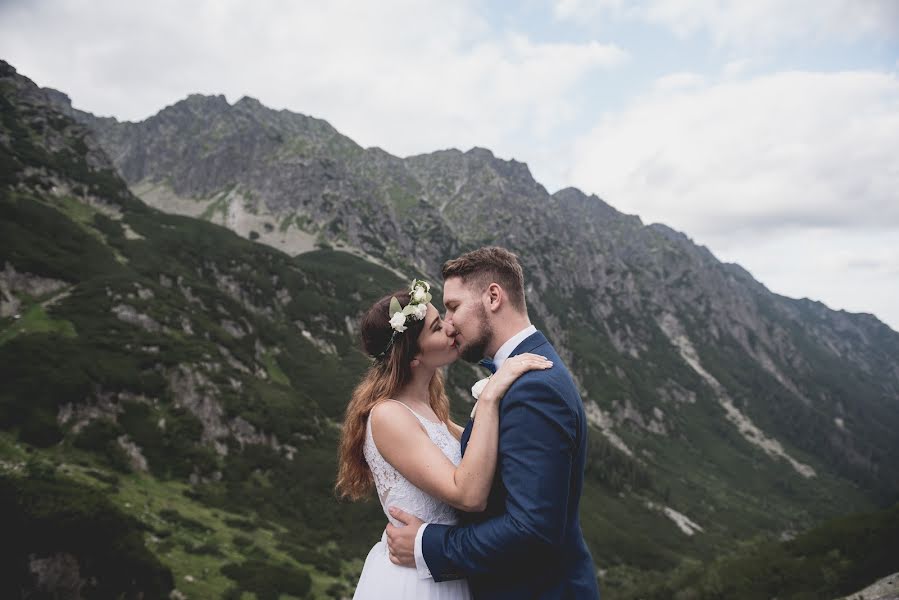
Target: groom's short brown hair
{"points": [[488, 265]]}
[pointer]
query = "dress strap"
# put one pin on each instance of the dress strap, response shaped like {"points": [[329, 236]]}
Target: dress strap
{"points": [[420, 418]]}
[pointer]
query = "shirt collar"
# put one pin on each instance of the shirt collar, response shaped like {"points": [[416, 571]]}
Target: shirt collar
{"points": [[506, 349]]}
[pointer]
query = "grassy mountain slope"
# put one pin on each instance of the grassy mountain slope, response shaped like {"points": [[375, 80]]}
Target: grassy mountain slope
{"points": [[191, 376], [832, 560], [195, 378]]}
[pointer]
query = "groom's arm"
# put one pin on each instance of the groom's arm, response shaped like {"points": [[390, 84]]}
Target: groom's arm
{"points": [[537, 440]]}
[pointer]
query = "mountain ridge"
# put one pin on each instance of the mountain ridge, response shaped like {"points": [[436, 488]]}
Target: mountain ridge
{"points": [[484, 155], [455, 194]]}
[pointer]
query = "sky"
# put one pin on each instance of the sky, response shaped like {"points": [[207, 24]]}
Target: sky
{"points": [[766, 130]]}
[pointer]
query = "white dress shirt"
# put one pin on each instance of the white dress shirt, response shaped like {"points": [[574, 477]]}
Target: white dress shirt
{"points": [[501, 355]]}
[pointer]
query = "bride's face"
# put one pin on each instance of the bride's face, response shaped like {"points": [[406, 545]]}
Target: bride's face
{"points": [[435, 347]]}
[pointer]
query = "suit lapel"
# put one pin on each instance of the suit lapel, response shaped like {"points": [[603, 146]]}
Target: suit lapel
{"points": [[466, 434], [530, 343]]}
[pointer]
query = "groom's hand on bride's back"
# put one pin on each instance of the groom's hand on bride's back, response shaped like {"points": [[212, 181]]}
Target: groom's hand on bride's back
{"points": [[401, 540]]}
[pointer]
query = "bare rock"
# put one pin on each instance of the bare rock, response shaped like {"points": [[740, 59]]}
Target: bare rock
{"points": [[58, 575]]}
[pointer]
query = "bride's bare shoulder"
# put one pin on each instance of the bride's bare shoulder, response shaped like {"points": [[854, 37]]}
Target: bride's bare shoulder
{"points": [[395, 429], [391, 415], [390, 406]]}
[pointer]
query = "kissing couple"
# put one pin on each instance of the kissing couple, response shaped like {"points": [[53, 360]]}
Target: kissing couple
{"points": [[485, 512]]}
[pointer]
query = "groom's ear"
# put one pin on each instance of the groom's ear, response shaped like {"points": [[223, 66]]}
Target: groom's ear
{"points": [[495, 296]]}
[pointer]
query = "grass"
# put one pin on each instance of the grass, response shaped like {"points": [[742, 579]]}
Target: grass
{"points": [[219, 205], [86, 217], [402, 200], [12, 454], [274, 371], [36, 320], [76, 210], [145, 497]]}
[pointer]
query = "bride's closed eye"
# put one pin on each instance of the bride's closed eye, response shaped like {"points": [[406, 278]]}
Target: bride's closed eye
{"points": [[437, 325]]}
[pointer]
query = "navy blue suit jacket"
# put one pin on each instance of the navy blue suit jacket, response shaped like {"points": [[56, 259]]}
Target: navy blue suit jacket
{"points": [[528, 543]]}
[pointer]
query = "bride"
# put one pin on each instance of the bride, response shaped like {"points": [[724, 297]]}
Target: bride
{"points": [[398, 438]]}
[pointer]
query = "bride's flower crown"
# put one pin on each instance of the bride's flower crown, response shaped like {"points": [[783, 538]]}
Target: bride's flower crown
{"points": [[419, 297]]}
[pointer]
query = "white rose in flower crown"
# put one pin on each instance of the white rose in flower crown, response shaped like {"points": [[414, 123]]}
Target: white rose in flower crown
{"points": [[419, 311], [419, 294], [398, 322]]}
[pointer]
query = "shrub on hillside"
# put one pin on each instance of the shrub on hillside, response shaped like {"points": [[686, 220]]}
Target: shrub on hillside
{"points": [[50, 518], [268, 581]]}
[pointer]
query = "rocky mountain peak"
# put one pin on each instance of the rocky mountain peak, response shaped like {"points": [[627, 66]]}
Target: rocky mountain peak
{"points": [[573, 199], [60, 100], [6, 69], [250, 103], [200, 104]]}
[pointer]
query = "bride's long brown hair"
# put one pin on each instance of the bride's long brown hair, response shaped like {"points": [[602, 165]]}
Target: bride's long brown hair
{"points": [[384, 378]]}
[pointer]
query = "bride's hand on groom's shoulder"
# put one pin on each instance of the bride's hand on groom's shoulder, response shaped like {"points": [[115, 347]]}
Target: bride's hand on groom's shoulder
{"points": [[511, 369]]}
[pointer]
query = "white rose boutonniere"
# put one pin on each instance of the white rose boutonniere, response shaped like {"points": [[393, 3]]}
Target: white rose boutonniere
{"points": [[476, 390]]}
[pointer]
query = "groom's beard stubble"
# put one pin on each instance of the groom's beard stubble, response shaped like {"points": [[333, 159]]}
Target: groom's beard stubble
{"points": [[474, 349]]}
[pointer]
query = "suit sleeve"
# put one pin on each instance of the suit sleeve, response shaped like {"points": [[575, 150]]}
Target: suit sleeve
{"points": [[536, 449]]}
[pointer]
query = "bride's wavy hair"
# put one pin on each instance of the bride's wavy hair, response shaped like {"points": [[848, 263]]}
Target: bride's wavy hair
{"points": [[385, 377]]}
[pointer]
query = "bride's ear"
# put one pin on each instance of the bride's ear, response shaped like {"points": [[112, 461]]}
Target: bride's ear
{"points": [[415, 362]]}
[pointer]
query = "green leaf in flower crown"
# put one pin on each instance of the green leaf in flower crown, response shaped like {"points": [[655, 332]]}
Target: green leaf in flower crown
{"points": [[410, 308], [395, 306]]}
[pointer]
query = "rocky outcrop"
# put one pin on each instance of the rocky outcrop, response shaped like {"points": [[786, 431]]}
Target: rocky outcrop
{"points": [[58, 574], [193, 390], [886, 588], [13, 283]]}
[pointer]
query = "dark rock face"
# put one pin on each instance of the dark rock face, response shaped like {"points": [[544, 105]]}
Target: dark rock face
{"points": [[58, 574]]}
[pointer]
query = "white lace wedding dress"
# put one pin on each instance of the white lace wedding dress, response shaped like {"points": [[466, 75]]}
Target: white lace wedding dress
{"points": [[381, 579]]}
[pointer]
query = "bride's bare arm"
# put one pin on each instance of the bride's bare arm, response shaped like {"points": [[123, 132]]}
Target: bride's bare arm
{"points": [[403, 443]]}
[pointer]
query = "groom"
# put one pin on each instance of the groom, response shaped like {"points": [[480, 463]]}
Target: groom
{"points": [[528, 543]]}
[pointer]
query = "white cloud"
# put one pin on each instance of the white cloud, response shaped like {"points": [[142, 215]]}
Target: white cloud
{"points": [[581, 9], [748, 167], [769, 21], [735, 68], [753, 23], [679, 81], [411, 76]]}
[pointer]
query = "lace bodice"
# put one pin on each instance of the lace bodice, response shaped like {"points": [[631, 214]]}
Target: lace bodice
{"points": [[395, 490]]}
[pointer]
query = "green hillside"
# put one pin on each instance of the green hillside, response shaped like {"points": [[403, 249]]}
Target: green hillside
{"points": [[172, 394], [835, 559]]}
